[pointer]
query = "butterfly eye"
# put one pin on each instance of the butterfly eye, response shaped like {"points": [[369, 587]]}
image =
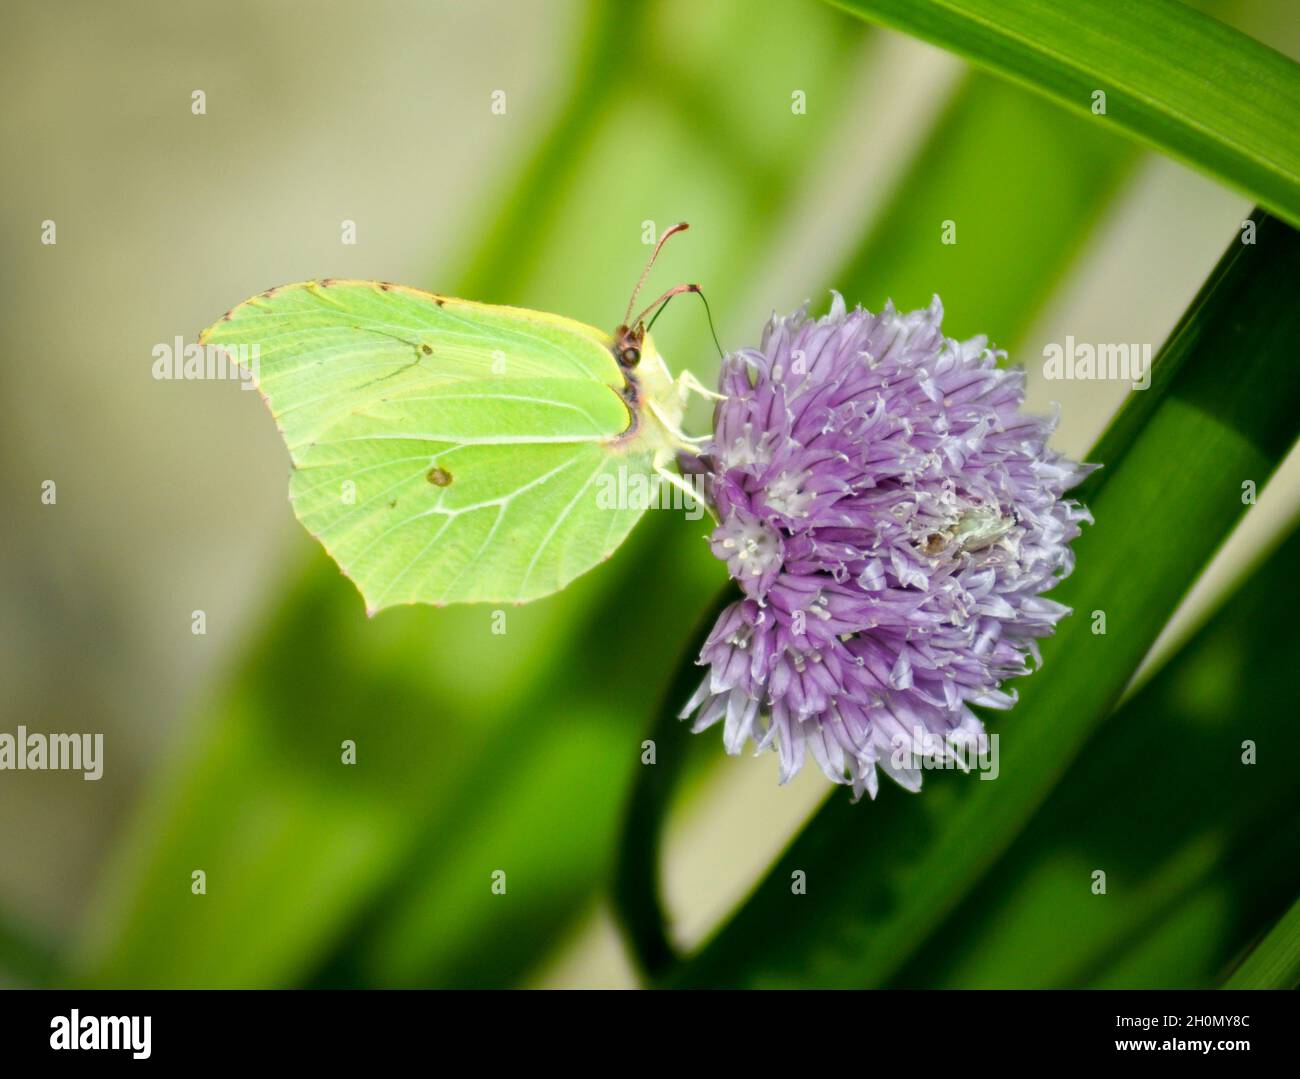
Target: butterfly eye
{"points": [[630, 356]]}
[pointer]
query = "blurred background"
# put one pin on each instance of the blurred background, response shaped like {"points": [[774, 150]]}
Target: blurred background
{"points": [[807, 151]]}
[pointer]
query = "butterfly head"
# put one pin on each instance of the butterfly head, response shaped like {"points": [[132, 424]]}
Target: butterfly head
{"points": [[630, 335], [627, 345]]}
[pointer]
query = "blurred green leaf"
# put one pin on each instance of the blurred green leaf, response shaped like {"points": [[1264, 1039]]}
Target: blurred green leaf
{"points": [[510, 247], [539, 801], [1173, 78], [1023, 177], [882, 877], [291, 839], [25, 959], [1025, 183], [1199, 848], [1274, 963]]}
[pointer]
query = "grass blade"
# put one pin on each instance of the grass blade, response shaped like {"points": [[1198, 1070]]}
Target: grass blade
{"points": [[1173, 78], [1014, 174], [1275, 961], [1199, 844]]}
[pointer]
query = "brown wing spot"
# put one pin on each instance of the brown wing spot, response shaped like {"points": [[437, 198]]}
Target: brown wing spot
{"points": [[439, 300], [426, 350], [439, 477], [384, 286]]}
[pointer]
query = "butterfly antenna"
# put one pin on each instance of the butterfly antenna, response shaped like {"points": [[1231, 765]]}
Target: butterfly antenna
{"points": [[663, 302], [681, 226]]}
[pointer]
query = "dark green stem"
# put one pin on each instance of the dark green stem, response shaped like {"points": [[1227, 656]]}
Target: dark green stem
{"points": [[637, 896]]}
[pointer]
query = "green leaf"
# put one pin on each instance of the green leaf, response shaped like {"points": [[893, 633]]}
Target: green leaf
{"points": [[636, 875], [1192, 883], [1022, 176], [1275, 962], [1025, 184], [881, 881], [1173, 78], [443, 923], [25, 958], [446, 451], [556, 772]]}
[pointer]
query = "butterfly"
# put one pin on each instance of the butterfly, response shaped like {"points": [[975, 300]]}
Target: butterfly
{"points": [[448, 451]]}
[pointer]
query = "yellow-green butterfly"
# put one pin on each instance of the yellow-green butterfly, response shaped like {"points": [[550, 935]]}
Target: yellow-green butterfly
{"points": [[446, 451]]}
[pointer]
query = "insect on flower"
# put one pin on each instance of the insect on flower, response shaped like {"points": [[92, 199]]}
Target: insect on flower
{"points": [[448, 451]]}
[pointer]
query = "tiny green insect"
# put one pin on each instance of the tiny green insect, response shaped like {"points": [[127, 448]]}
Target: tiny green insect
{"points": [[974, 530], [447, 451]]}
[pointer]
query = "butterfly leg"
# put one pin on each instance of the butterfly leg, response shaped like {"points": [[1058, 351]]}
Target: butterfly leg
{"points": [[689, 442], [687, 383], [693, 496]]}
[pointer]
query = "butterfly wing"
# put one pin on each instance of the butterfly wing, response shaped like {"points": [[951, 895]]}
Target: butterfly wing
{"points": [[443, 451]]}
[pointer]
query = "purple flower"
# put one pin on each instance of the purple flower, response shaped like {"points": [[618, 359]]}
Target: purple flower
{"points": [[892, 519]]}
